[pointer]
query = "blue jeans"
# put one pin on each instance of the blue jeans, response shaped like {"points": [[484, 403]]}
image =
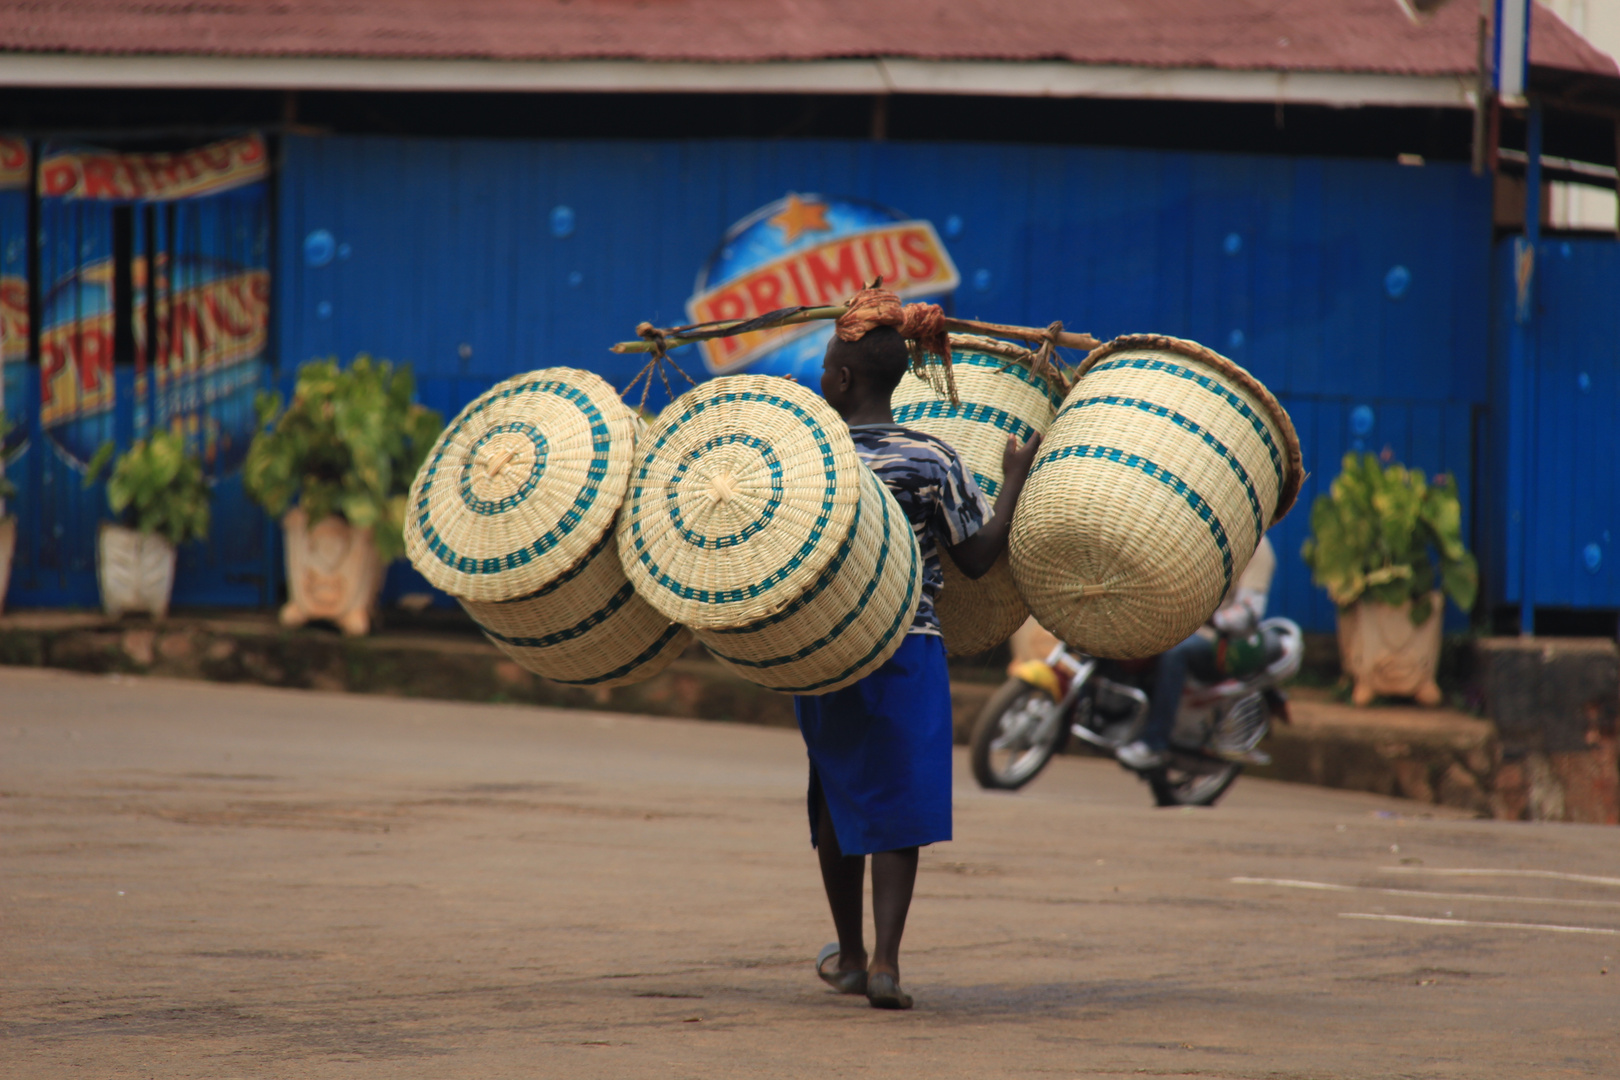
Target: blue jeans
{"points": [[1197, 655]]}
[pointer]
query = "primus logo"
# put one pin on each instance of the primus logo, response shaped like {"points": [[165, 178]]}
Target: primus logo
{"points": [[203, 327], [807, 250], [96, 175]]}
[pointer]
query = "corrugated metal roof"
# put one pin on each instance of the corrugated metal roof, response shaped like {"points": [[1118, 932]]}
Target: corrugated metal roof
{"points": [[1287, 35]]}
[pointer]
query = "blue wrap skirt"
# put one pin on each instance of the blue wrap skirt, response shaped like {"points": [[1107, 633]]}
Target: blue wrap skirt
{"points": [[880, 752]]}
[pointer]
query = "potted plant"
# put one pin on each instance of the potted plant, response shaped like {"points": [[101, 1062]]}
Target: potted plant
{"points": [[8, 523], [1387, 545], [160, 497], [341, 455]]}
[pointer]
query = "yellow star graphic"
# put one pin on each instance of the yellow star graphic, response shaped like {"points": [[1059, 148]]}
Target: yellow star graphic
{"points": [[801, 217]]}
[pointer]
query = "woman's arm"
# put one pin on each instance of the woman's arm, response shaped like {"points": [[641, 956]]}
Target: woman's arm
{"points": [[979, 552]]}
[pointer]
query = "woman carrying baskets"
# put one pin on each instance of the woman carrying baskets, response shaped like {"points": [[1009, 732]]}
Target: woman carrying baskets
{"points": [[880, 749]]}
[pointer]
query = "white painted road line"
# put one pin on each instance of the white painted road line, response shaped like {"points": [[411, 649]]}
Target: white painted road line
{"points": [[1549, 875], [1489, 925], [1327, 886]]}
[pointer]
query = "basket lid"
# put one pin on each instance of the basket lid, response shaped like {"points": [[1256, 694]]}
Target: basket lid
{"points": [[1294, 473], [1019, 361], [742, 493], [521, 486]]}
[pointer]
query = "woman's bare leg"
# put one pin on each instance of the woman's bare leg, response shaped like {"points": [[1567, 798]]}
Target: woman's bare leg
{"points": [[843, 876], [894, 875]]}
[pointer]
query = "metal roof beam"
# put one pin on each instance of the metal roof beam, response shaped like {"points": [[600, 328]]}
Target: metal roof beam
{"points": [[992, 78]]}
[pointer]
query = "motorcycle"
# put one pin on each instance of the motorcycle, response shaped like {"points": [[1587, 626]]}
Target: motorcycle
{"points": [[1105, 704]]}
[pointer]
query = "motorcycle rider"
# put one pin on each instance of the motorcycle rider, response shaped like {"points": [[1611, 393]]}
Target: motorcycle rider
{"points": [[1212, 653]]}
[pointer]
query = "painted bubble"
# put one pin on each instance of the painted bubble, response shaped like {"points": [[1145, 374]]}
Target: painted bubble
{"points": [[575, 279], [1397, 281], [1235, 339], [1592, 558], [1584, 381], [953, 226], [319, 247], [323, 309], [1361, 419], [562, 221], [1233, 243], [981, 280]]}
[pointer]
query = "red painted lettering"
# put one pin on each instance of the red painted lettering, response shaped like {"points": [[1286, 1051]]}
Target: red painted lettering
{"points": [[94, 353], [890, 271], [59, 177], [216, 157], [765, 291], [100, 181], [795, 273], [834, 283], [51, 362], [13, 154], [920, 261], [725, 305]]}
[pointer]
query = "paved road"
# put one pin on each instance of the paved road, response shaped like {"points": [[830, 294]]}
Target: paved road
{"points": [[204, 881]]}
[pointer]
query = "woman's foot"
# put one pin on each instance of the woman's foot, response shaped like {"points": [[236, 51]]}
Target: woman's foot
{"points": [[846, 978], [883, 991]]}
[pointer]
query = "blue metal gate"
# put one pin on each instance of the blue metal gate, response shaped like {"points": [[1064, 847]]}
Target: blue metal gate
{"points": [[1357, 290], [154, 312], [1556, 451]]}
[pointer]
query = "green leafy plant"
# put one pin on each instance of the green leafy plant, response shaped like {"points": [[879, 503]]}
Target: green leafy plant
{"points": [[348, 443], [156, 487], [1385, 533]]}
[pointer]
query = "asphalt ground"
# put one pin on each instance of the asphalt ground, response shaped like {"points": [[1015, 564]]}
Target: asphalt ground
{"points": [[208, 881]]}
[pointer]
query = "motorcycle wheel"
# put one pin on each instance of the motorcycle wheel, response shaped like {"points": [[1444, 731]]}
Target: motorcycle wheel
{"points": [[1014, 736], [1192, 781]]}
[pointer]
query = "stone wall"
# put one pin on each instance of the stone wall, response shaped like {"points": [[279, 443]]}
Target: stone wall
{"points": [[1554, 702]]}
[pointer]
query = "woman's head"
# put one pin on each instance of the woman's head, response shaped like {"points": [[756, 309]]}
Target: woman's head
{"points": [[865, 370]]}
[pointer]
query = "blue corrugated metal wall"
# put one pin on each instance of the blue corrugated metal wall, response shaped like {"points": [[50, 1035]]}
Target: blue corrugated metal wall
{"points": [[1574, 493], [1357, 290]]}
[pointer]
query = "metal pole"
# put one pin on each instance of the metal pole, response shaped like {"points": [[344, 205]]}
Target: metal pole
{"points": [[1524, 340], [1482, 90]]}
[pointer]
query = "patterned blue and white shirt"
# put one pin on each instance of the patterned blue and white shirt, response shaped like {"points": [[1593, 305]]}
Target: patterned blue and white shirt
{"points": [[937, 492]]}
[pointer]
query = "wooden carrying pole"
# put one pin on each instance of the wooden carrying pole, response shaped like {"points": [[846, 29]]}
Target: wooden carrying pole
{"points": [[674, 339]]}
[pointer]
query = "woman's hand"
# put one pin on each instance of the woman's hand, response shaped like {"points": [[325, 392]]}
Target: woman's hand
{"points": [[979, 552], [1016, 461]]}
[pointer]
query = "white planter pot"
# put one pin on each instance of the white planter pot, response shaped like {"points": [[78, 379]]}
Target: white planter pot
{"points": [[1385, 654], [333, 572], [8, 544], [135, 570]]}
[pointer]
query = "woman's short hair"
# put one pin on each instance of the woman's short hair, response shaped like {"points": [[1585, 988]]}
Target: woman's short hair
{"points": [[880, 355]]}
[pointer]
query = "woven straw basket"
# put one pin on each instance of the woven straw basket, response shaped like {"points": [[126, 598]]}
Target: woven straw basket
{"points": [[513, 513], [751, 519], [846, 624], [1000, 396], [1163, 469]]}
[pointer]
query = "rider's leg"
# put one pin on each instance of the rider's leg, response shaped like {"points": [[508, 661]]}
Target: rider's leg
{"points": [[894, 874], [842, 876], [1168, 683]]}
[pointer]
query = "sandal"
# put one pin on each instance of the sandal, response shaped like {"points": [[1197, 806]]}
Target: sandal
{"points": [[845, 982], [883, 991]]}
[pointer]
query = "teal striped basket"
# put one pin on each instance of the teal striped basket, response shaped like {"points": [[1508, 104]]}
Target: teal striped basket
{"points": [[845, 625], [1162, 470], [513, 512], [751, 519], [1000, 396]]}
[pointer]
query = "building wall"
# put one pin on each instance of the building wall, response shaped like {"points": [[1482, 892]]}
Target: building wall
{"points": [[1356, 290], [1565, 396], [1584, 206]]}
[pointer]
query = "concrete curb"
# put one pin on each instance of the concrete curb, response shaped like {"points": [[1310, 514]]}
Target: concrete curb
{"points": [[1431, 756]]}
